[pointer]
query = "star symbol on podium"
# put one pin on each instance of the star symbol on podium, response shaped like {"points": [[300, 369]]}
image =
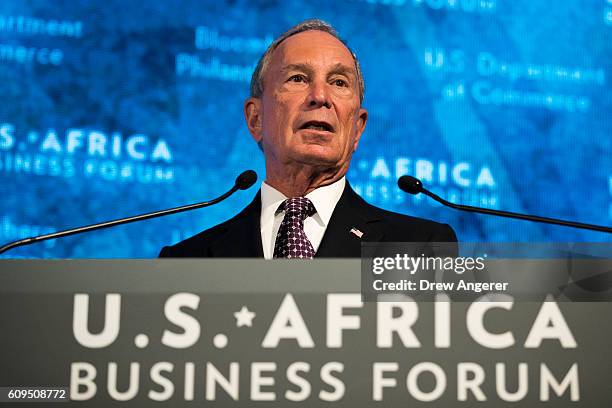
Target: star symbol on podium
{"points": [[244, 317]]}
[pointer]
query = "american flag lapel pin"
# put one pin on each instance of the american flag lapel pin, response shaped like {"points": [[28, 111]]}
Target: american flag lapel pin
{"points": [[357, 233]]}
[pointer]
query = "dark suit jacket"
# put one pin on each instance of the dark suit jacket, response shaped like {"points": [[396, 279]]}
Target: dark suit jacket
{"points": [[240, 237]]}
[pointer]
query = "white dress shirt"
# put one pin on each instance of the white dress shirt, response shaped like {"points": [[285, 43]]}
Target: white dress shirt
{"points": [[324, 200]]}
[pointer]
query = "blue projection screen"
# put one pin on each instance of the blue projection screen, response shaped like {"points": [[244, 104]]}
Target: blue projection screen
{"points": [[113, 108]]}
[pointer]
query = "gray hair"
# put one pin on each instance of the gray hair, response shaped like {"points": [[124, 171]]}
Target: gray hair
{"points": [[307, 25]]}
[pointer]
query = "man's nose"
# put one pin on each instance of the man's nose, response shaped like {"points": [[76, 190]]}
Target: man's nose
{"points": [[319, 95]]}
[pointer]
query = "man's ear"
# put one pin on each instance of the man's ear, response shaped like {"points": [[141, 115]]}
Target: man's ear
{"points": [[362, 119], [252, 114]]}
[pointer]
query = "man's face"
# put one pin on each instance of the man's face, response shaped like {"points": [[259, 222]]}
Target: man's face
{"points": [[310, 111]]}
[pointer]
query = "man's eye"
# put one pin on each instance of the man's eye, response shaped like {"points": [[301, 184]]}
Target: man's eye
{"points": [[297, 78], [340, 82]]}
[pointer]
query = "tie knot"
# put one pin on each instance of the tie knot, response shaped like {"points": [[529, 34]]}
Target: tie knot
{"points": [[298, 206]]}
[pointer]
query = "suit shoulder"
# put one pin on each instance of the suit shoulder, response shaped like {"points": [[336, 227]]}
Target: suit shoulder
{"points": [[196, 246], [203, 244], [420, 229]]}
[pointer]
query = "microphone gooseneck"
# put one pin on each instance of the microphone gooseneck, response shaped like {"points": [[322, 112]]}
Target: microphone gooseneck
{"points": [[413, 185], [245, 180]]}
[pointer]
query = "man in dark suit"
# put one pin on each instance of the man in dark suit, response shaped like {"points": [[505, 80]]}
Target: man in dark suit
{"points": [[305, 112]]}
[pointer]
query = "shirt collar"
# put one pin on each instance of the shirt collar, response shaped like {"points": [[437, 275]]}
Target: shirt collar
{"points": [[323, 198]]}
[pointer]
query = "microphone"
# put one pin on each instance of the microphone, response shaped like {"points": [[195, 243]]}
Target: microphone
{"points": [[245, 180], [413, 185]]}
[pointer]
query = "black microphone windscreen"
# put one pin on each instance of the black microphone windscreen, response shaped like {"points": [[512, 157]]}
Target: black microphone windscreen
{"points": [[246, 179], [410, 184]]}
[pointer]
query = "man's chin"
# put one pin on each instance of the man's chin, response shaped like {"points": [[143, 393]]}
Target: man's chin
{"points": [[317, 158]]}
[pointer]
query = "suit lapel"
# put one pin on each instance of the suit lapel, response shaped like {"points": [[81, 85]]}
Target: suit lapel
{"points": [[351, 213], [243, 235]]}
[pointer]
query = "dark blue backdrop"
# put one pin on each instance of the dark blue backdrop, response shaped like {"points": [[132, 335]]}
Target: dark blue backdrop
{"points": [[116, 107]]}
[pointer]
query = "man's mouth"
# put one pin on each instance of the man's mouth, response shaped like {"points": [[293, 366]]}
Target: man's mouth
{"points": [[317, 125]]}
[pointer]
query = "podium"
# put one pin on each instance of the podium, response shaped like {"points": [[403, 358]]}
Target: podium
{"points": [[243, 333]]}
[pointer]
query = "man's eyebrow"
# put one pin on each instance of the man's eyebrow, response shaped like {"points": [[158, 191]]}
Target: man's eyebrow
{"points": [[343, 70], [297, 67], [337, 68]]}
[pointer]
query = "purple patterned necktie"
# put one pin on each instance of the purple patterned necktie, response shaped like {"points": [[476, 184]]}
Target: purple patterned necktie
{"points": [[291, 240]]}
